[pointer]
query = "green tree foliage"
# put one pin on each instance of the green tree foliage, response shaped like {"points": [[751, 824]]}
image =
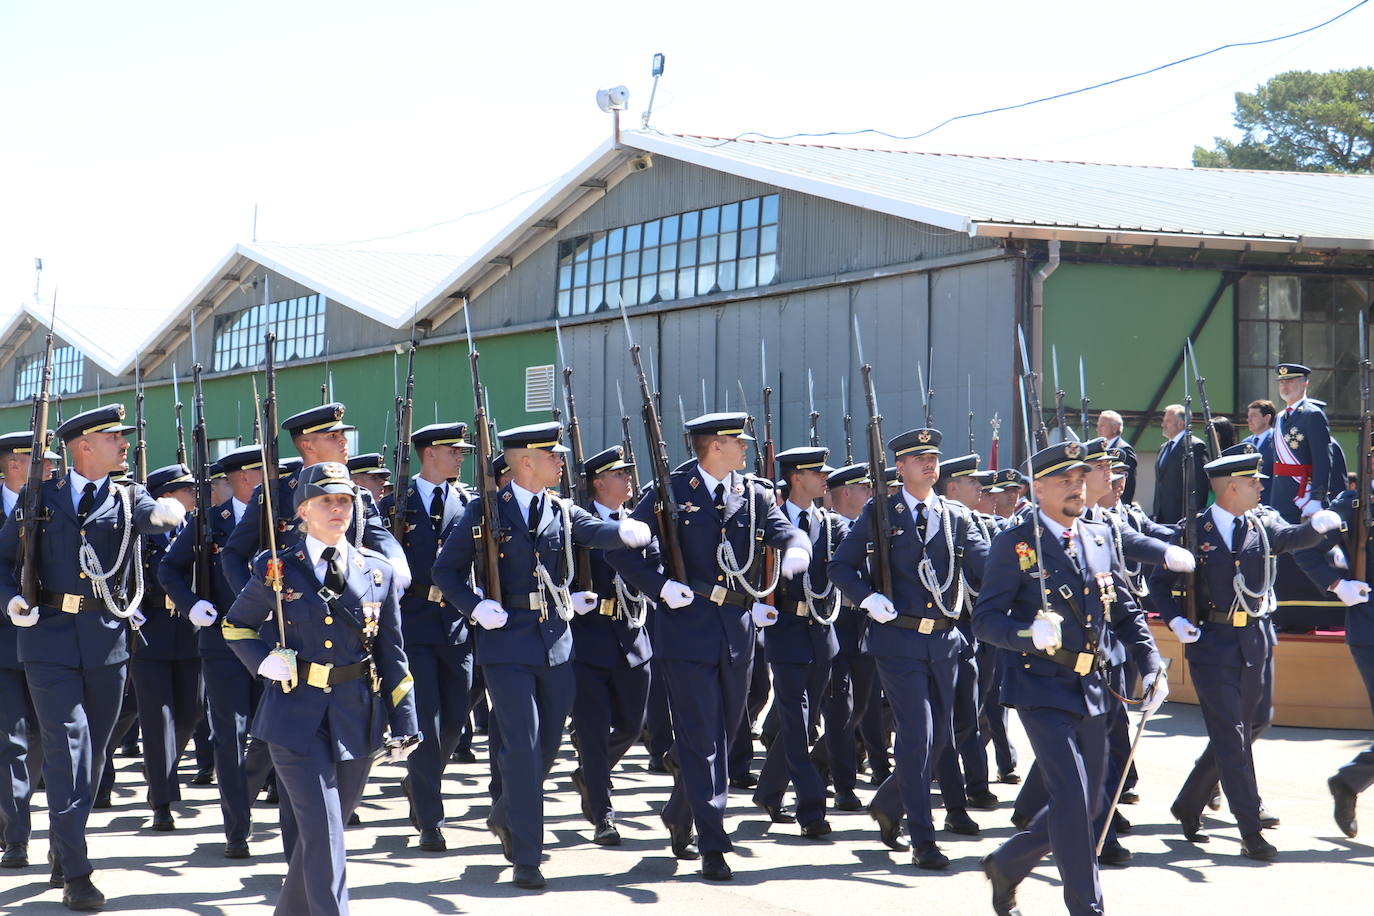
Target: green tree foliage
{"points": [[1304, 122]]}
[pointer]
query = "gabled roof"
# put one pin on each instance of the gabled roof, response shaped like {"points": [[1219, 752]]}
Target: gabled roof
{"points": [[88, 328]]}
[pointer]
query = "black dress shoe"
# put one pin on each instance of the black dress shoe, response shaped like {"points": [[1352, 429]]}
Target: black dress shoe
{"points": [[958, 821], [778, 814], [205, 777], [1003, 889], [1192, 824], [162, 818], [464, 755], [1267, 820], [1009, 778], [683, 841], [846, 800], [655, 764], [747, 781], [1019, 821], [102, 801], [130, 750], [983, 800], [1120, 824], [714, 867], [55, 878], [272, 798], [580, 784], [1255, 846], [1130, 797], [507, 841], [81, 894], [432, 840], [606, 834], [928, 855], [410, 803], [889, 829], [527, 876], [879, 775], [16, 856], [1214, 802], [237, 849], [354, 820], [816, 829], [1345, 806], [1113, 853]]}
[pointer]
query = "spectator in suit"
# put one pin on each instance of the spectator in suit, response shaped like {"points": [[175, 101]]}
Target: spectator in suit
{"points": [[1168, 507], [1109, 424], [1259, 416]]}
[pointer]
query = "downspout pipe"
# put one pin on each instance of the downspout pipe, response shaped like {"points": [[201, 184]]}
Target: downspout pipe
{"points": [[1038, 306]]}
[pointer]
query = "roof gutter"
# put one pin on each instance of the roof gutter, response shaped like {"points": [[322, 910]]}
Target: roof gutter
{"points": [[1038, 303]]}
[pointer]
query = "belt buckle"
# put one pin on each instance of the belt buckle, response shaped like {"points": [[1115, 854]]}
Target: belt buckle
{"points": [[801, 609], [718, 595], [71, 604], [926, 626], [1083, 664], [1240, 618], [436, 594], [607, 607], [318, 675], [169, 604], [537, 603]]}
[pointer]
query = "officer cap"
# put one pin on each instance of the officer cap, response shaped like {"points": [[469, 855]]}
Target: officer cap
{"points": [[1291, 370], [1095, 449], [543, 436], [454, 434], [243, 458], [850, 473], [499, 465], [216, 470], [288, 466], [963, 466], [1237, 461], [916, 442], [326, 418], [1011, 477], [107, 419], [172, 477], [1057, 459], [804, 458], [323, 478], [890, 477], [987, 480], [612, 459], [720, 424], [21, 443], [369, 463]]}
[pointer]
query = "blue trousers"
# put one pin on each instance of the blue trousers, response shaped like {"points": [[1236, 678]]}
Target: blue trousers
{"points": [[125, 733], [21, 755], [992, 715], [1231, 699], [921, 693], [966, 745], [76, 709], [241, 764], [1358, 774], [658, 722], [797, 695], [322, 793], [1071, 750], [742, 745], [707, 700], [530, 703], [608, 711], [443, 684], [853, 680], [168, 712]]}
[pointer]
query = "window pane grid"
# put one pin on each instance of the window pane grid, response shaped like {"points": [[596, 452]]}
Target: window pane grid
{"points": [[298, 324], [67, 366], [716, 249]]}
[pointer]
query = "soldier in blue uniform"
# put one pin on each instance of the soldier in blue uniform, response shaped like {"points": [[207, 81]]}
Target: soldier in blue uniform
{"points": [[436, 633], [611, 657], [21, 751], [370, 473], [165, 667], [341, 676], [1053, 599], [937, 552], [993, 717], [704, 631], [74, 642], [232, 693], [800, 643], [1302, 448], [1230, 646], [524, 644]]}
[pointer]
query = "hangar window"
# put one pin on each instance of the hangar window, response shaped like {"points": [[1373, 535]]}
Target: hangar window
{"points": [[1308, 320], [717, 249], [298, 324], [67, 364]]}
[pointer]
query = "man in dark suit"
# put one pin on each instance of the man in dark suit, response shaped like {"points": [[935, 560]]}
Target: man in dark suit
{"points": [[1259, 418], [1109, 425], [1169, 505]]}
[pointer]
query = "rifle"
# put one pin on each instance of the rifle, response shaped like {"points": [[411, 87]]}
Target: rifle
{"points": [[1213, 439], [1186, 528], [880, 564], [58, 446], [653, 381], [665, 507], [972, 444], [181, 429], [200, 445], [686, 436], [925, 397], [749, 428], [1359, 563], [265, 423], [402, 492], [31, 512], [577, 481], [996, 424], [848, 423], [768, 452], [485, 535], [626, 441], [1035, 416], [1060, 421], [1083, 399], [815, 415], [140, 430], [274, 564]]}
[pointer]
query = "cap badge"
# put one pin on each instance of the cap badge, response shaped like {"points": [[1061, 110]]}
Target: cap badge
{"points": [[338, 413], [923, 436], [119, 411], [1073, 449]]}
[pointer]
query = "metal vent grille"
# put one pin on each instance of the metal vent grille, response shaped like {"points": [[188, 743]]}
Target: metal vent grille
{"points": [[538, 389]]}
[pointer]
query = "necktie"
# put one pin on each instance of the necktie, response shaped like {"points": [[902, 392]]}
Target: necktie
{"points": [[1288, 412], [804, 521], [87, 503], [1164, 452], [720, 499], [615, 515], [921, 522], [1237, 535], [536, 511], [333, 570], [436, 506], [1071, 550]]}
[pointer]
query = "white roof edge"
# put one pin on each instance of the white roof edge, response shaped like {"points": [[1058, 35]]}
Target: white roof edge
{"points": [[196, 295], [256, 254]]}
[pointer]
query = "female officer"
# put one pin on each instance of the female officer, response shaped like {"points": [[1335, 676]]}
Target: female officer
{"points": [[342, 678]]}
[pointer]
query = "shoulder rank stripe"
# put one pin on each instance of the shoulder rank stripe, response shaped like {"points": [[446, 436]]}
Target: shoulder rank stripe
{"points": [[233, 633]]}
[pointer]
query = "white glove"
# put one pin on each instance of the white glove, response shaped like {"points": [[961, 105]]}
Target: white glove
{"points": [[203, 613], [879, 607], [764, 616], [1045, 631], [1351, 592], [400, 572], [676, 595], [397, 753], [1311, 508], [584, 602], [138, 618], [275, 668], [478, 591], [489, 614], [1325, 520], [168, 513], [1185, 631], [21, 615], [795, 561], [634, 533], [1159, 681], [1178, 560]]}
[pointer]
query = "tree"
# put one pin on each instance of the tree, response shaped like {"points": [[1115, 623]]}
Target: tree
{"points": [[1304, 122]]}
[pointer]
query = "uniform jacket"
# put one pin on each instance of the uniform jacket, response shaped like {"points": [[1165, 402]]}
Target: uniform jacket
{"points": [[606, 641], [1129, 456], [354, 715], [1169, 481], [801, 640], [1317, 563], [9, 641], [1264, 444], [1307, 434], [165, 635], [175, 574], [426, 617]]}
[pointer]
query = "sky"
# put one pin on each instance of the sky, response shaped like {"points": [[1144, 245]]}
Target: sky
{"points": [[139, 137]]}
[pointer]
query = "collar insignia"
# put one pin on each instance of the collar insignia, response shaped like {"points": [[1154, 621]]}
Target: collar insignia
{"points": [[1207, 526], [694, 482], [61, 482], [901, 506], [506, 496], [357, 561], [376, 576], [300, 554], [225, 513], [291, 483]]}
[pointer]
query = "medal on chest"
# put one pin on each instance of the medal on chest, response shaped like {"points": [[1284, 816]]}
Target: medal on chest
{"points": [[1106, 587]]}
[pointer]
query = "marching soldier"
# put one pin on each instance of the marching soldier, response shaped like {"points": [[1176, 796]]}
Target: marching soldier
{"points": [[436, 633], [1011, 498], [800, 646], [913, 637], [341, 678], [1302, 448], [611, 657], [21, 752], [992, 715], [1054, 601], [165, 667], [1230, 646], [74, 643], [370, 472], [232, 692], [524, 643], [704, 633]]}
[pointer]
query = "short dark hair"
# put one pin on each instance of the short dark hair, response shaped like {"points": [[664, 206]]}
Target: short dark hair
{"points": [[702, 441], [1265, 407]]}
